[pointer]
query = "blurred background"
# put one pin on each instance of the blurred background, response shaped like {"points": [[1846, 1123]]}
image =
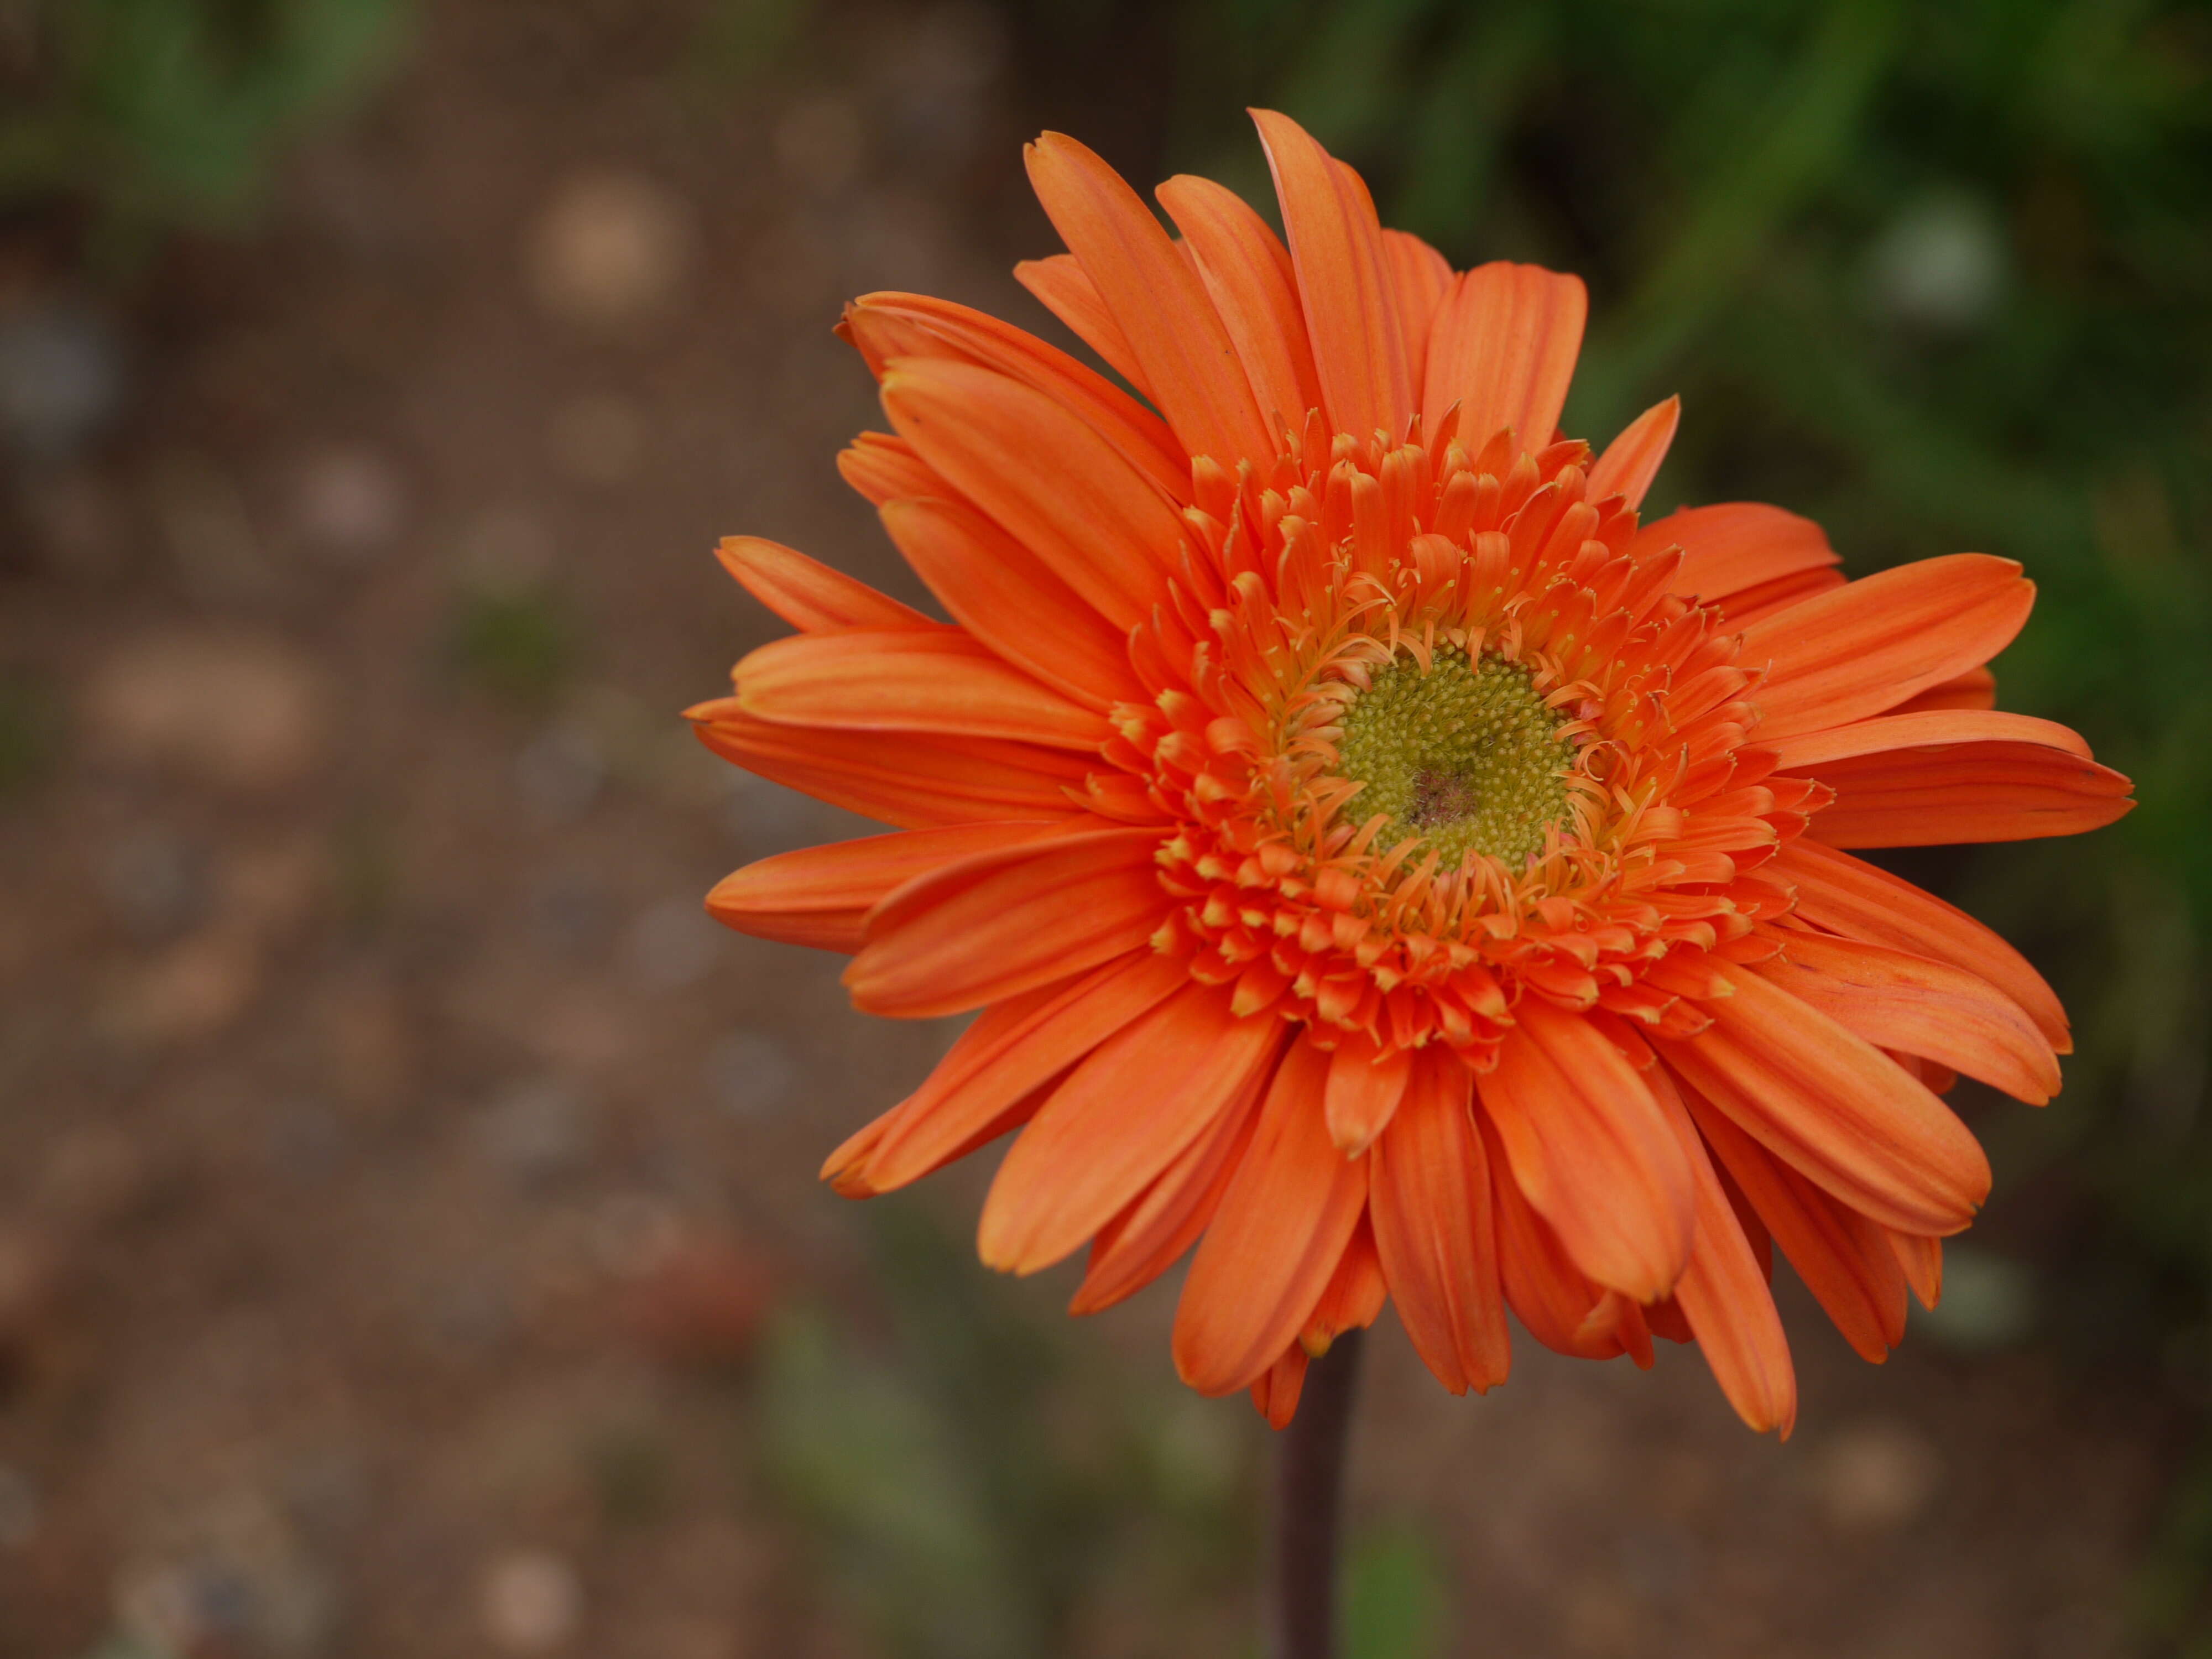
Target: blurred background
{"points": [[409, 1239]]}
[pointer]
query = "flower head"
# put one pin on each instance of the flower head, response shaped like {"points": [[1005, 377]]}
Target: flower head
{"points": [[1381, 860]]}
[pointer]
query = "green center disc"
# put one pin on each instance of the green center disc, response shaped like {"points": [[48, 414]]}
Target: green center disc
{"points": [[1466, 757]]}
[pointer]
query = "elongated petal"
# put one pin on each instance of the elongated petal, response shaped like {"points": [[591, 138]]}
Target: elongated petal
{"points": [[1429, 1194], [821, 895], [1363, 1090], [1421, 277], [877, 680], [894, 325], [1004, 922], [1827, 1103], [1975, 689], [1048, 480], [1010, 599], [1921, 1259], [1923, 1008], [1013, 1048], [908, 778], [1735, 546], [1632, 461], [1151, 1233], [1723, 1292], [1851, 897], [1967, 792], [1276, 1240], [1869, 645], [807, 593], [883, 466], [1809, 751], [1845, 1260], [1066, 289], [1190, 367], [1551, 1296], [1589, 1147], [1345, 285], [1122, 1117], [1502, 348], [1354, 1295], [1248, 274]]}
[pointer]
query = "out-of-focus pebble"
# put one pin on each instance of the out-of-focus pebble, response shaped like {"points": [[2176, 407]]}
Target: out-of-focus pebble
{"points": [[597, 439], [611, 249], [750, 1074], [156, 882], [61, 380], [700, 1303], [1989, 1301], [820, 143], [348, 502], [242, 711], [673, 944], [531, 1602], [559, 772], [190, 991], [1940, 264], [19, 1509], [504, 550], [538, 1130], [1876, 1477]]}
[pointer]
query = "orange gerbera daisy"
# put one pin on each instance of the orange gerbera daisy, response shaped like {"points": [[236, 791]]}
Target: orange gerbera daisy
{"points": [[1381, 860]]}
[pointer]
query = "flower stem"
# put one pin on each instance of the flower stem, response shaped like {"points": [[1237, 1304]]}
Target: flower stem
{"points": [[1309, 1482]]}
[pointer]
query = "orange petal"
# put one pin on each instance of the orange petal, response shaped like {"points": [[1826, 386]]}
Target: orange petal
{"points": [[1851, 897], [892, 326], [1845, 1259], [1010, 599], [1004, 922], [1921, 1259], [1549, 1294], [1052, 483], [1868, 646], [1723, 1293], [1733, 546], [1121, 1117], [807, 593], [1503, 348], [1276, 1392], [1589, 1147], [1923, 1008], [905, 778], [1346, 287], [820, 896], [883, 467], [1967, 792], [1012, 1048], [1248, 274], [1807, 751], [1151, 1235], [1276, 1240], [1421, 277], [1065, 288], [1355, 1295], [865, 679], [1429, 1194], [1363, 1089], [1190, 366], [1827, 1103], [1632, 461], [1975, 689]]}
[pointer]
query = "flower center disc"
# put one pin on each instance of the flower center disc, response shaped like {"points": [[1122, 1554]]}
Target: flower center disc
{"points": [[1466, 757]]}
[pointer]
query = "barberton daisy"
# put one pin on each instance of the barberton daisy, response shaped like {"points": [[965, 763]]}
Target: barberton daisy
{"points": [[1381, 860]]}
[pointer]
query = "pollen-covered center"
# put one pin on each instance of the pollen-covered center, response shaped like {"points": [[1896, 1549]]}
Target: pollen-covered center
{"points": [[1464, 755]]}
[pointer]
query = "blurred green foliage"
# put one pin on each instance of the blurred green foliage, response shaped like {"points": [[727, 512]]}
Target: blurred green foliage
{"points": [[1394, 1597], [978, 1488], [519, 645], [161, 113]]}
